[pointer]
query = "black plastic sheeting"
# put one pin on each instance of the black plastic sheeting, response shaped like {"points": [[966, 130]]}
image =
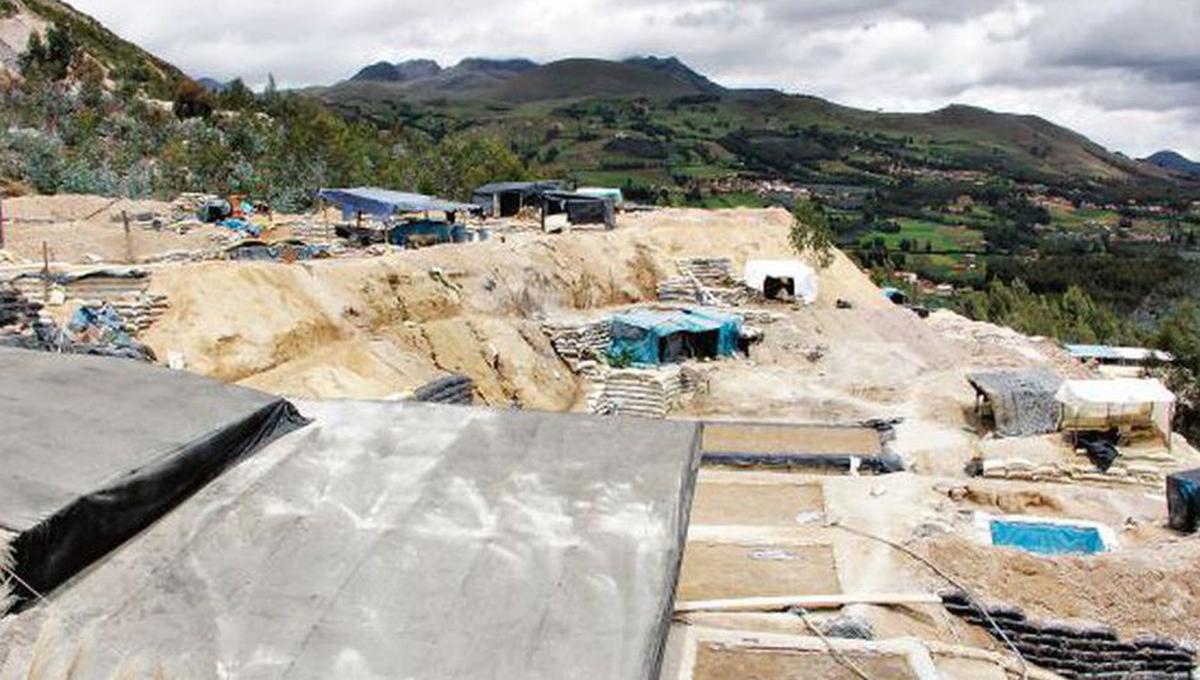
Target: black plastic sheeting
{"points": [[885, 463], [400, 540], [1183, 500], [452, 389], [96, 449]]}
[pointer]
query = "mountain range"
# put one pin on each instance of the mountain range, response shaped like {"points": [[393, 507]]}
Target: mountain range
{"points": [[654, 117]]}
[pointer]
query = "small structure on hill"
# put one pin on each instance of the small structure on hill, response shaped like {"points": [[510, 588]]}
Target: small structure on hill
{"points": [[611, 194], [772, 278], [387, 206], [653, 336], [1129, 405], [1017, 403], [1119, 362], [505, 199]]}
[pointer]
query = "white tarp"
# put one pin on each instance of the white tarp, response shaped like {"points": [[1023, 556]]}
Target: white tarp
{"points": [[1089, 403], [803, 277]]}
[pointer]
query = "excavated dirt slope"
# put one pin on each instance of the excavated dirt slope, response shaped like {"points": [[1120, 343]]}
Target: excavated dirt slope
{"points": [[373, 327]]}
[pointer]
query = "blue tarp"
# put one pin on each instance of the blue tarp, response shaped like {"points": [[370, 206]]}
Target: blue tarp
{"points": [[400, 233], [385, 203], [1047, 539], [650, 336]]}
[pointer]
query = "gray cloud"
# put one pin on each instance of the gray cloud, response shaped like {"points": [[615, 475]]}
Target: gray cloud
{"points": [[1124, 72]]}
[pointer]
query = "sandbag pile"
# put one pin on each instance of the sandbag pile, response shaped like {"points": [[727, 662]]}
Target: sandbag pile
{"points": [[140, 310], [21, 319], [637, 392], [712, 272], [452, 389], [581, 345], [1077, 650], [707, 281], [679, 289]]}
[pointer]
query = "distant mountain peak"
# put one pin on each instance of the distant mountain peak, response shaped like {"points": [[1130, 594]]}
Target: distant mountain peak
{"points": [[1173, 160], [673, 67], [413, 69]]}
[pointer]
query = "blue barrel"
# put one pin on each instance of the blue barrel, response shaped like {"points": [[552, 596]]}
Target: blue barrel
{"points": [[458, 234]]}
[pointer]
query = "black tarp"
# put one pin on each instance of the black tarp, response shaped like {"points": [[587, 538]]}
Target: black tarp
{"points": [[401, 540], [96, 449]]}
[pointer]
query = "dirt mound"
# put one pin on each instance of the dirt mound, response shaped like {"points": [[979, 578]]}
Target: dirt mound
{"points": [[998, 347], [1155, 589]]}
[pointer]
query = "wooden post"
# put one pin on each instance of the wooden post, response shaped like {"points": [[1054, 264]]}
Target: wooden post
{"points": [[325, 219], [1, 220], [45, 273], [543, 213], [128, 238]]}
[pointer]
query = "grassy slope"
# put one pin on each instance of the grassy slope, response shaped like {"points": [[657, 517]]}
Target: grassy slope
{"points": [[123, 58]]}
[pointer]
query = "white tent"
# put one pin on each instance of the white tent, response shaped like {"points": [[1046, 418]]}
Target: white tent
{"points": [[1099, 404], [803, 278]]}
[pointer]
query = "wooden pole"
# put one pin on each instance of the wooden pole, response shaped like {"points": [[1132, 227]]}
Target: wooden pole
{"points": [[45, 272], [1, 220], [128, 238]]}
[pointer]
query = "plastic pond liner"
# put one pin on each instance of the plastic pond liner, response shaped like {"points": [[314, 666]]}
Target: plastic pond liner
{"points": [[1047, 538]]}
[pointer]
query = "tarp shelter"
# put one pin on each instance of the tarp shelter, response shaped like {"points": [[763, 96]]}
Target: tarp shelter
{"points": [[770, 277], [1021, 403], [894, 295], [652, 336], [505, 199], [96, 449], [581, 209], [384, 203], [401, 540], [1121, 356], [1183, 500], [611, 194], [1119, 403]]}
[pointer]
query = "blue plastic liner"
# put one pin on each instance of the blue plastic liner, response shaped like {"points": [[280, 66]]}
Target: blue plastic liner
{"points": [[1047, 539]]}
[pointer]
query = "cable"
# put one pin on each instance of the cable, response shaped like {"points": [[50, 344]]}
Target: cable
{"points": [[833, 651], [949, 579]]}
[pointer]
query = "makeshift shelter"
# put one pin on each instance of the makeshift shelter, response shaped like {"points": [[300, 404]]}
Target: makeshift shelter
{"points": [[384, 203], [895, 295], [401, 540], [1123, 403], [1183, 500], [505, 199], [580, 208], [771, 277], [96, 449], [1017, 403], [611, 194], [652, 336]]}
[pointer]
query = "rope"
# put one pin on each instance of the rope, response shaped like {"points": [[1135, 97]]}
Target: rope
{"points": [[952, 581], [833, 651]]}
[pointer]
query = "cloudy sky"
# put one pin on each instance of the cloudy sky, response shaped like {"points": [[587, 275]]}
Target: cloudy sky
{"points": [[1124, 72]]}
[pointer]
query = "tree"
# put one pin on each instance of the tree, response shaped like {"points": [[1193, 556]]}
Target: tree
{"points": [[810, 233], [192, 101]]}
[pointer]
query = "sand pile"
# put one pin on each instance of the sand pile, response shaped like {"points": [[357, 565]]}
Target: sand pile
{"points": [[1152, 589], [992, 346]]}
